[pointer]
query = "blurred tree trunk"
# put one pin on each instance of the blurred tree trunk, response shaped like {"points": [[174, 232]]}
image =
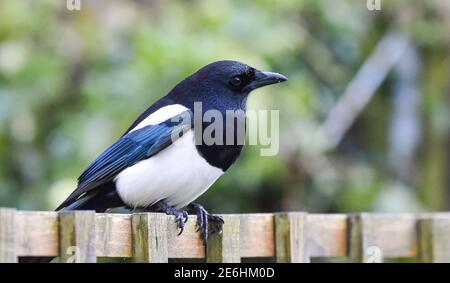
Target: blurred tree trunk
{"points": [[433, 191]]}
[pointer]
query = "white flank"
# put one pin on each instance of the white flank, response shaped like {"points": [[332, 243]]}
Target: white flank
{"points": [[177, 174], [161, 115]]}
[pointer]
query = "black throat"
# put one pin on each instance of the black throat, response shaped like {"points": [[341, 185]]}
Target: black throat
{"points": [[221, 155], [227, 147]]}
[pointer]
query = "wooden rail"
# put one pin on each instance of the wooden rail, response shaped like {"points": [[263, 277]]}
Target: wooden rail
{"points": [[84, 236]]}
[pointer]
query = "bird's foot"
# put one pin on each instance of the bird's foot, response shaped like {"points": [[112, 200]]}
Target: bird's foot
{"points": [[181, 217], [206, 222]]}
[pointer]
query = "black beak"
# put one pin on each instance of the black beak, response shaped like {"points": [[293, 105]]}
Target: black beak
{"points": [[265, 78]]}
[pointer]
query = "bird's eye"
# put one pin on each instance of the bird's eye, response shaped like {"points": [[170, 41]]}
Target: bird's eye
{"points": [[236, 81]]}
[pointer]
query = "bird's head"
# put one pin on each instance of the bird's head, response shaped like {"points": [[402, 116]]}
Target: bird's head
{"points": [[225, 81], [236, 77]]}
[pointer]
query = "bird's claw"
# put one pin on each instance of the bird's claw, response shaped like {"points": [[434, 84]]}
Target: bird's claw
{"points": [[186, 216], [181, 217], [206, 223], [216, 223]]}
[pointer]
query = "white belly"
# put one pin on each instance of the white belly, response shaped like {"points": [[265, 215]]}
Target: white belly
{"points": [[177, 175]]}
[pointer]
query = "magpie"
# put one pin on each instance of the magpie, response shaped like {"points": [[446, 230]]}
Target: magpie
{"points": [[160, 164]]}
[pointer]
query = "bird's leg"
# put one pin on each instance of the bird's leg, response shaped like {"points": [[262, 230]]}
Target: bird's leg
{"points": [[205, 220], [181, 217]]}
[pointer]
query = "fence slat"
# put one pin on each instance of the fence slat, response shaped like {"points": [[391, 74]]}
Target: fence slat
{"points": [[113, 235], [7, 236], [77, 236], [364, 243], [37, 233], [360, 236], [150, 237], [327, 235], [434, 239], [187, 245], [290, 237], [377, 236], [257, 236], [225, 247]]}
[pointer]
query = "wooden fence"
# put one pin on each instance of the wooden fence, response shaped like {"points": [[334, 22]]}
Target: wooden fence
{"points": [[84, 236]]}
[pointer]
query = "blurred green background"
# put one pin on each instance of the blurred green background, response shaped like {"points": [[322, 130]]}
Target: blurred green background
{"points": [[365, 119]]}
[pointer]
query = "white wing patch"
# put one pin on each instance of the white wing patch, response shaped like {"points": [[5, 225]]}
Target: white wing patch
{"points": [[177, 174], [161, 115]]}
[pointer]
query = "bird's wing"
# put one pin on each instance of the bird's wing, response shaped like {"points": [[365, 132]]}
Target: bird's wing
{"points": [[133, 147]]}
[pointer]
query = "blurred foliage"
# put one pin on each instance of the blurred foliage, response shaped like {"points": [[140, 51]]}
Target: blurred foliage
{"points": [[71, 82]]}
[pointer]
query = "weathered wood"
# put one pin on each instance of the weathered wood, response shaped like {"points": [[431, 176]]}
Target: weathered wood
{"points": [[257, 235], [396, 234], [225, 247], [150, 237], [377, 236], [77, 236], [290, 237], [7, 236], [113, 235], [187, 245], [362, 239], [434, 238], [37, 233], [327, 235]]}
